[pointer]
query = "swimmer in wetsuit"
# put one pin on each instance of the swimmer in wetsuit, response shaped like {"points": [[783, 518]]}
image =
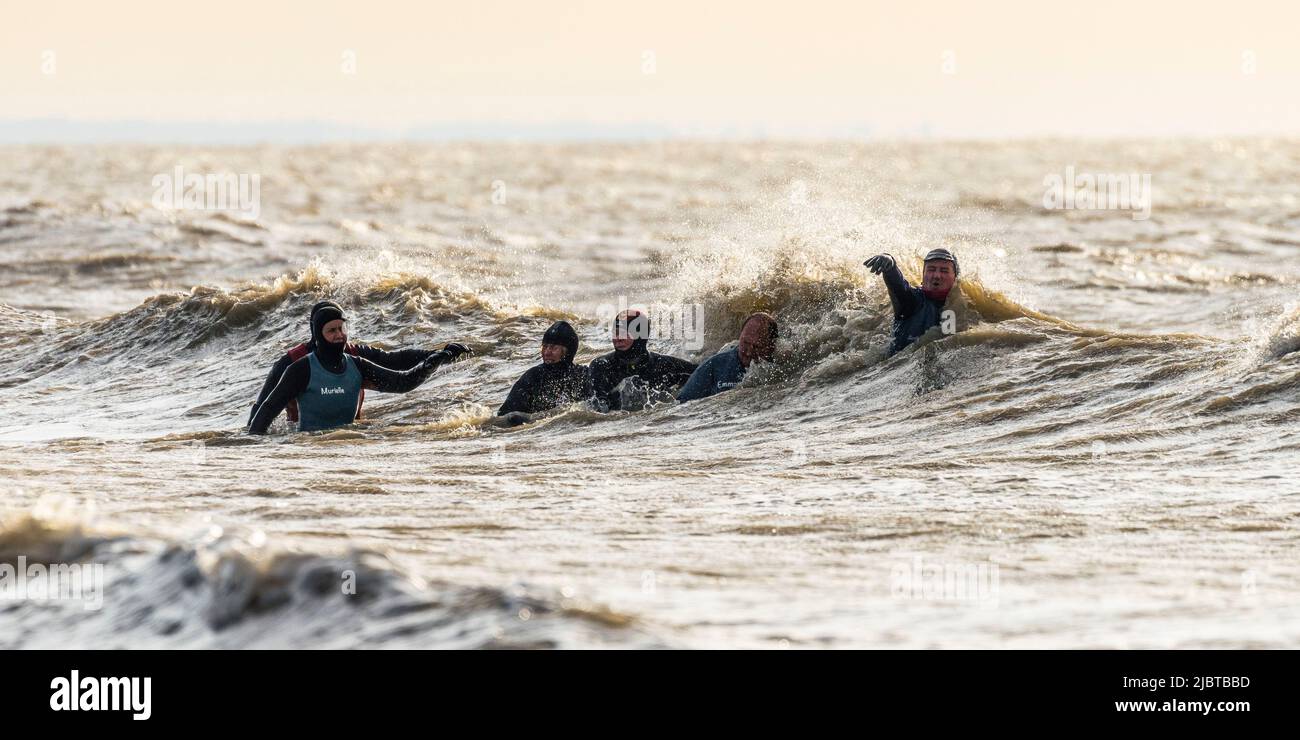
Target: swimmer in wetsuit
{"points": [[725, 370], [916, 310], [556, 381], [327, 383], [403, 359], [649, 376]]}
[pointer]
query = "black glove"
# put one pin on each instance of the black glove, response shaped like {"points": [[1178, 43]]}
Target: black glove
{"points": [[456, 351], [450, 353], [879, 263]]}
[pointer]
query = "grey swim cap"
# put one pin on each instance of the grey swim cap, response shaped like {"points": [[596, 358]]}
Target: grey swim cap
{"points": [[943, 254]]}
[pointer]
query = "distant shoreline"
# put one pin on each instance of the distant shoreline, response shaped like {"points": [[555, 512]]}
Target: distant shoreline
{"points": [[65, 131]]}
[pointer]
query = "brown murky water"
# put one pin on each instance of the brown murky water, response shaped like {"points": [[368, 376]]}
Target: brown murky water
{"points": [[1103, 456]]}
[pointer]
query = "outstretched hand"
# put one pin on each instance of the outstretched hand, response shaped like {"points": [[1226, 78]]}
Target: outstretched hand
{"points": [[455, 351], [451, 353], [879, 263]]}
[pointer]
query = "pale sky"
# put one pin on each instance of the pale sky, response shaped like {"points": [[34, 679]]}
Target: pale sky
{"points": [[810, 68]]}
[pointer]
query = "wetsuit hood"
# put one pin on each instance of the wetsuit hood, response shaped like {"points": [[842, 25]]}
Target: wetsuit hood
{"points": [[311, 320], [329, 353], [322, 304], [637, 325], [563, 334]]}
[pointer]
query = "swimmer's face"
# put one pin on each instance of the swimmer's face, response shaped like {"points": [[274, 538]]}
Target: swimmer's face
{"points": [[939, 275], [553, 353], [334, 332], [627, 327], [756, 341]]}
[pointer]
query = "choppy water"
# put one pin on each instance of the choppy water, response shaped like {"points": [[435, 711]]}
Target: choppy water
{"points": [[1109, 442]]}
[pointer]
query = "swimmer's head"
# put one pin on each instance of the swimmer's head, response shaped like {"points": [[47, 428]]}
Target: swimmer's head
{"points": [[757, 338], [940, 274], [559, 343], [327, 326], [631, 329], [311, 317], [318, 306], [335, 332]]}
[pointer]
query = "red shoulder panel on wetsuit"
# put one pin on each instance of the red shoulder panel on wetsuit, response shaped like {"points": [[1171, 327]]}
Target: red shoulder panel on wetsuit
{"points": [[295, 354]]}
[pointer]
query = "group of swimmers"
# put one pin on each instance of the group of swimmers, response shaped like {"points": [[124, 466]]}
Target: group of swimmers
{"points": [[321, 384]]}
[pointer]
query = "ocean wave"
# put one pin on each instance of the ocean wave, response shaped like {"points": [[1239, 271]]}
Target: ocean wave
{"points": [[836, 324], [98, 262], [188, 321], [836, 318], [1284, 337], [226, 590]]}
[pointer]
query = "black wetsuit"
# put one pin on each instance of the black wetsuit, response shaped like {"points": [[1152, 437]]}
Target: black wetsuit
{"points": [[662, 374], [546, 386], [914, 312], [376, 377], [402, 359]]}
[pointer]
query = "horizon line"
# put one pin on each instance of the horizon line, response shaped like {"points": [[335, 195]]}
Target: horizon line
{"points": [[53, 130]]}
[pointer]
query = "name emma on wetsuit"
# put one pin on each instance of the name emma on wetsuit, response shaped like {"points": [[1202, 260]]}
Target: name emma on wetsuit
{"points": [[327, 383]]}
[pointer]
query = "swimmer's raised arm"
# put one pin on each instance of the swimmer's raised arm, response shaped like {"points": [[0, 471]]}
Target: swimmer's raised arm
{"points": [[386, 380], [901, 294]]}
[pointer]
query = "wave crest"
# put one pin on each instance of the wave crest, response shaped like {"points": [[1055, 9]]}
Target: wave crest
{"points": [[222, 590]]}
